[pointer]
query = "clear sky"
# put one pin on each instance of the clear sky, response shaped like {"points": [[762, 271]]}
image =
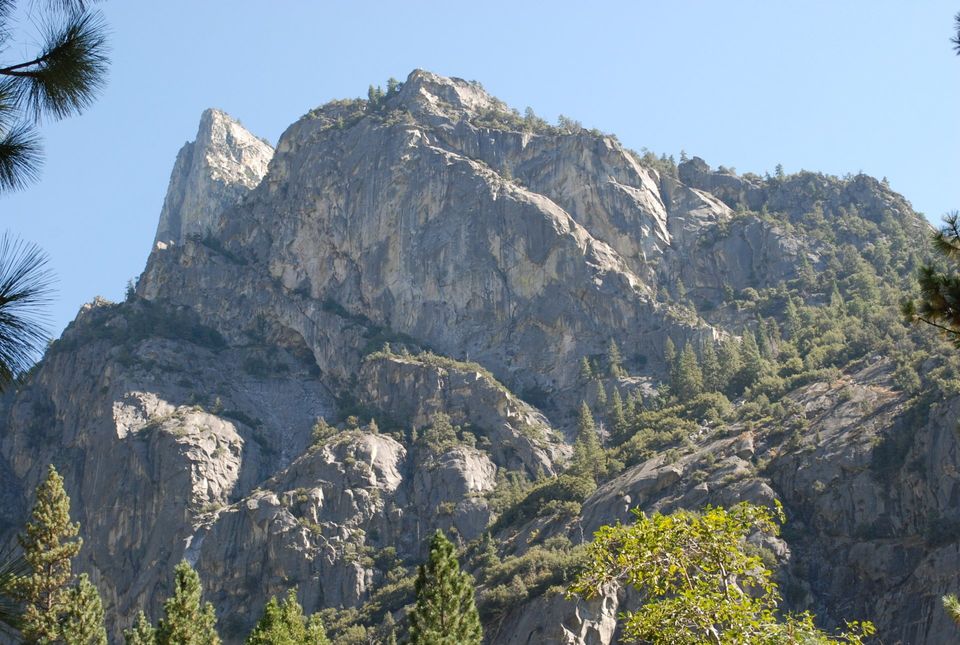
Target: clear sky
{"points": [[820, 85]]}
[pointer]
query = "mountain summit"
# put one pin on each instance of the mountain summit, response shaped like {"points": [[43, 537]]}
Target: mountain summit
{"points": [[388, 324]]}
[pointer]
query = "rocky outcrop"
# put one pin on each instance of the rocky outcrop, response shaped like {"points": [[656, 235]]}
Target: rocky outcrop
{"points": [[210, 175]]}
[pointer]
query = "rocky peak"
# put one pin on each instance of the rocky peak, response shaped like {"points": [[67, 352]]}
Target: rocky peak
{"points": [[211, 174], [427, 94]]}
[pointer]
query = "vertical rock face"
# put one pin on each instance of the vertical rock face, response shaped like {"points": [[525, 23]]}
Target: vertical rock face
{"points": [[426, 272], [210, 175]]}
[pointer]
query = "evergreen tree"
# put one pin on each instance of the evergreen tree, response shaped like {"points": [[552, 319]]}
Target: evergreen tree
{"points": [[939, 301], [283, 623], [791, 316], [49, 544], [836, 301], [763, 340], [445, 612], [669, 353], [142, 632], [586, 372], [753, 363], [84, 617], [615, 412], [730, 363], [588, 456], [689, 379], [614, 360], [601, 395], [187, 621], [710, 366]]}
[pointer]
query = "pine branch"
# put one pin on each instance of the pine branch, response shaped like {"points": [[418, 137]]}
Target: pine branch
{"points": [[25, 287], [70, 70], [19, 157]]}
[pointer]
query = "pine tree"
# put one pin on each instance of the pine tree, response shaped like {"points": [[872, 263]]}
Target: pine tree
{"points": [[283, 623], [669, 353], [142, 632], [614, 360], [615, 412], [601, 395], [689, 379], [791, 317], [710, 366], [753, 363], [730, 363], [49, 544], [763, 340], [186, 620], [586, 372], [445, 612], [588, 457], [389, 629], [84, 617]]}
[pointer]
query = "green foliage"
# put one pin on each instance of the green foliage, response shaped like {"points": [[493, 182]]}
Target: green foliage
{"points": [[589, 459], [517, 578], [25, 283], [614, 360], [939, 301], [283, 623], [60, 80], [187, 620], [700, 582], [687, 379], [142, 319], [951, 604], [586, 371], [142, 632], [83, 622], [49, 544], [445, 612]]}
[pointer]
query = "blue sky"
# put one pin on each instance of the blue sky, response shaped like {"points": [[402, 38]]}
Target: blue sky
{"points": [[821, 85]]}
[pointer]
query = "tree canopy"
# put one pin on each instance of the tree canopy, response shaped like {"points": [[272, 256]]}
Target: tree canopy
{"points": [[446, 611], [699, 580]]}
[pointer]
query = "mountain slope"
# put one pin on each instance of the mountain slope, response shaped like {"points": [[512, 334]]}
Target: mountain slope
{"points": [[428, 272]]}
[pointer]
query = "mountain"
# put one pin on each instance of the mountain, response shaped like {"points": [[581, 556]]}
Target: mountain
{"points": [[387, 325]]}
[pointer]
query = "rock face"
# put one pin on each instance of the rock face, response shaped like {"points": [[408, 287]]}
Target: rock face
{"points": [[425, 272], [211, 175]]}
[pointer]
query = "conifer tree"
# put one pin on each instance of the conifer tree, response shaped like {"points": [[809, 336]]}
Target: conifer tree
{"points": [[615, 412], [710, 367], [753, 363], [601, 395], [763, 340], [939, 303], [689, 379], [142, 632], [670, 355], [283, 623], [586, 372], [446, 611], [791, 319], [588, 457], [187, 621], [84, 616], [49, 543], [730, 363], [614, 360]]}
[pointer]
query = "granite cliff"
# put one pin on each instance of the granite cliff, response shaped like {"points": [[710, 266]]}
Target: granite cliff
{"points": [[427, 271]]}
